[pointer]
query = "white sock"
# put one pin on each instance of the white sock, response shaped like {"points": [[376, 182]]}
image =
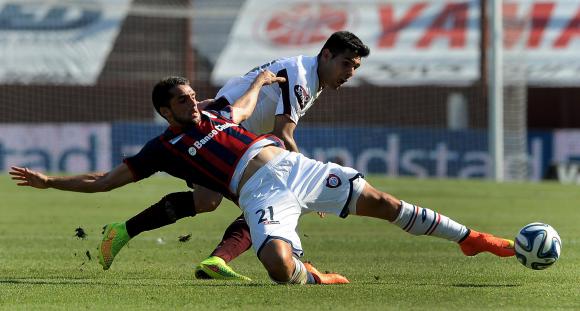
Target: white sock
{"points": [[300, 275], [422, 221]]}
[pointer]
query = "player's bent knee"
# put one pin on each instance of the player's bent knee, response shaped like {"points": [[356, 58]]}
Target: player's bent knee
{"points": [[178, 205], [206, 200], [205, 208], [276, 256]]}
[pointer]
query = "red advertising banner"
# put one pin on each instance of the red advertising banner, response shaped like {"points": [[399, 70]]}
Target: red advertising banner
{"points": [[412, 42]]}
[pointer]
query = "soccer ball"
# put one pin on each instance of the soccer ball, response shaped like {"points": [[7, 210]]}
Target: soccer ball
{"points": [[538, 246]]}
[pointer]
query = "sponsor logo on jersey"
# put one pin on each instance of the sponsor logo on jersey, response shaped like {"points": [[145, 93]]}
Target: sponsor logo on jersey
{"points": [[199, 143], [333, 181], [301, 95]]}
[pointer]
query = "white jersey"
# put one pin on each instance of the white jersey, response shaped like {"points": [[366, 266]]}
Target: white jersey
{"points": [[293, 97]]}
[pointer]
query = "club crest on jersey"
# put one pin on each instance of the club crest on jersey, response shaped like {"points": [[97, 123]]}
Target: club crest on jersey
{"points": [[301, 95], [333, 181]]}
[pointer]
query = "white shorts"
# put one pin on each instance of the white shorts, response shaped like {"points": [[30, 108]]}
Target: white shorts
{"points": [[291, 184]]}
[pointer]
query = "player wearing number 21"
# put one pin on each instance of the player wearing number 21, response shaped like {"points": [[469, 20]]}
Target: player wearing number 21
{"points": [[273, 186]]}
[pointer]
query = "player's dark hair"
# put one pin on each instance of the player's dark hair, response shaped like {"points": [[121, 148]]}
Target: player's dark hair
{"points": [[161, 95], [342, 41]]}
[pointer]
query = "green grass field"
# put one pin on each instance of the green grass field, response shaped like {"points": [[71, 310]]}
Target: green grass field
{"points": [[43, 266]]}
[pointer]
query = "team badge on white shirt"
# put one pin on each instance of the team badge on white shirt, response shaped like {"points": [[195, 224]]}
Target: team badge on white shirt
{"points": [[333, 181]]}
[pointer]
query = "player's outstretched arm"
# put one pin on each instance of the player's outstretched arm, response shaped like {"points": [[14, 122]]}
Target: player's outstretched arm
{"points": [[244, 106], [91, 182]]}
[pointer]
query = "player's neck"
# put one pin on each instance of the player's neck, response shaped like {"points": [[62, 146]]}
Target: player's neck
{"points": [[321, 85]]}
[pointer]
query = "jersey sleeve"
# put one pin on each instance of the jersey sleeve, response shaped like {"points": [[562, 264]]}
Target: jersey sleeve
{"points": [[218, 104], [294, 94], [226, 113], [146, 162]]}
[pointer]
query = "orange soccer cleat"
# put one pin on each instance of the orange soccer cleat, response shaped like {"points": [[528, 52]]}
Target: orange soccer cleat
{"points": [[325, 278], [477, 242]]}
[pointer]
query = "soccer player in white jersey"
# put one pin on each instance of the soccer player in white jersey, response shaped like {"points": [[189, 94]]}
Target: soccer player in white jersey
{"points": [[280, 106], [283, 105], [278, 110]]}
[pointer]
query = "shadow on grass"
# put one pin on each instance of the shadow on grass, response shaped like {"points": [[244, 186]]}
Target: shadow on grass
{"points": [[130, 282], [484, 285], [459, 285], [206, 283]]}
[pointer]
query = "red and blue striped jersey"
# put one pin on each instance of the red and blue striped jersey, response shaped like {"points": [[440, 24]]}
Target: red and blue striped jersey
{"points": [[205, 154]]}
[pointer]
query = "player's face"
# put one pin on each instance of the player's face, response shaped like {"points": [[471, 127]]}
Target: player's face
{"points": [[183, 106], [337, 69]]}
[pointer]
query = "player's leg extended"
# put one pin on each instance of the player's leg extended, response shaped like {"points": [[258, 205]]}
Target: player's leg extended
{"points": [[168, 210], [422, 221], [236, 240]]}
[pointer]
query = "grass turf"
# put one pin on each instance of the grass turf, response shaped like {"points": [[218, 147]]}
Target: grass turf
{"points": [[44, 266]]}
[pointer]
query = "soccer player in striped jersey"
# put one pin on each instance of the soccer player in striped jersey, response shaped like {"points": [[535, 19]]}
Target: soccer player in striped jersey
{"points": [[273, 186], [278, 110]]}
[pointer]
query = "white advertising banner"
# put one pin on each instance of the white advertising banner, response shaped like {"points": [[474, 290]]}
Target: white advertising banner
{"points": [[71, 148], [412, 42], [567, 146], [57, 42]]}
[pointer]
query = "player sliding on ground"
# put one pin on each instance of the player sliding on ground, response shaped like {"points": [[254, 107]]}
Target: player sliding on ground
{"points": [[272, 185], [278, 111]]}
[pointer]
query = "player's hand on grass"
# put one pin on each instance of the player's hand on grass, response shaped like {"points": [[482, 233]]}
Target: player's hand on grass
{"points": [[27, 177]]}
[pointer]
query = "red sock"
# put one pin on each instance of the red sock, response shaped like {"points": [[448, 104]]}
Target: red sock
{"points": [[235, 241]]}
